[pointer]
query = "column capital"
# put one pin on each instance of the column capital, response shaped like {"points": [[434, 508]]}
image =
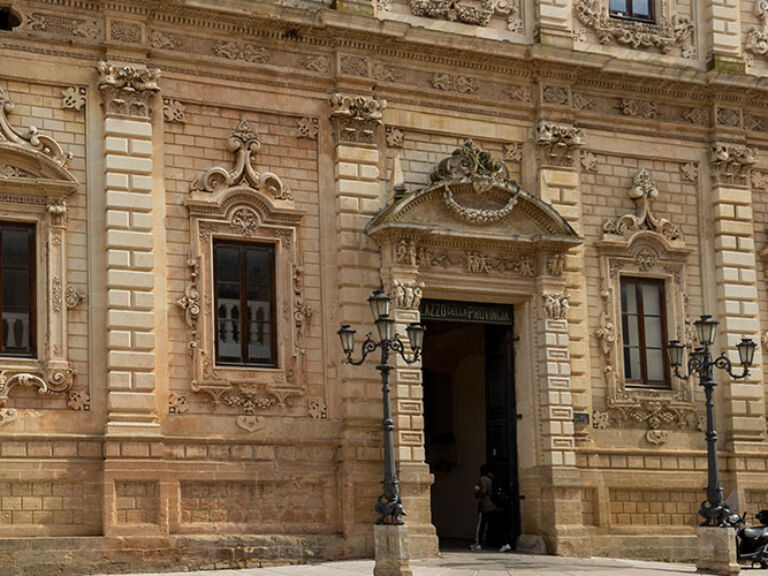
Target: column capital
{"points": [[128, 90], [731, 163], [356, 119], [557, 143]]}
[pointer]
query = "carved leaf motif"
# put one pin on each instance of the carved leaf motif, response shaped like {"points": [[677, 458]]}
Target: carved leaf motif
{"points": [[79, 400], [241, 51], [307, 128], [317, 408], [73, 97], [173, 111]]}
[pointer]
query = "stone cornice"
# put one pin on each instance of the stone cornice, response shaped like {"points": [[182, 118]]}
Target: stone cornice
{"points": [[293, 29]]}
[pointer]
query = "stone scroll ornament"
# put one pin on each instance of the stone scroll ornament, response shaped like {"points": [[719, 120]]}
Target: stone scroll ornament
{"points": [[757, 39], [244, 142], [644, 192], [662, 34], [469, 164]]}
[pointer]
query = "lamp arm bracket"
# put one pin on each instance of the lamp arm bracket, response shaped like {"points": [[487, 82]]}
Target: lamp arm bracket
{"points": [[369, 345], [396, 344]]}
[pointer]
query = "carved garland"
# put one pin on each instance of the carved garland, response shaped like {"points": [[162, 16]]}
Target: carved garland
{"points": [[664, 34], [236, 203], [477, 14]]}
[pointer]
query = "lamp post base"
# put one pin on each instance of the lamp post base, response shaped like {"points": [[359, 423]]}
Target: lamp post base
{"points": [[716, 551], [391, 547]]}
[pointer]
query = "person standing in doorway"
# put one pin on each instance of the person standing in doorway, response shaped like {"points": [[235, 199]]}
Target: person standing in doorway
{"points": [[487, 511]]}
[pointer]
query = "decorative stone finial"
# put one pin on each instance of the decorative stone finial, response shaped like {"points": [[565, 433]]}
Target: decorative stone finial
{"points": [[644, 192]]}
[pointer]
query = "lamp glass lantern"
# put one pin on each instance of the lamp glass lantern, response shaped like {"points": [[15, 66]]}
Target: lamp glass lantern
{"points": [[706, 328], [379, 302], [386, 327], [415, 333], [676, 349], [746, 350], [347, 337]]}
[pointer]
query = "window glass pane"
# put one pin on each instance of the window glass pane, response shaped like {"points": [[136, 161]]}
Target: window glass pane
{"points": [[628, 298], [630, 332], [259, 298], [653, 332], [651, 299], [619, 6], [655, 364], [227, 263], [15, 248], [16, 267], [228, 330], [632, 364], [641, 8]]}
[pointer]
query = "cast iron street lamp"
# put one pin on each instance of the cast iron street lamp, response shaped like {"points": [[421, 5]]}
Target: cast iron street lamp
{"points": [[713, 509], [389, 506]]}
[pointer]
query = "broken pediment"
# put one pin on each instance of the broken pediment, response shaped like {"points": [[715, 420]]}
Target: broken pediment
{"points": [[472, 196]]}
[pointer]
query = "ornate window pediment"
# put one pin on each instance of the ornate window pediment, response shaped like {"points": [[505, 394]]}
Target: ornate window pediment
{"points": [[243, 204], [34, 187], [643, 245]]}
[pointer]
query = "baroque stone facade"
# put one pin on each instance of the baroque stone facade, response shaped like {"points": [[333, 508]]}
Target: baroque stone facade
{"points": [[526, 154]]}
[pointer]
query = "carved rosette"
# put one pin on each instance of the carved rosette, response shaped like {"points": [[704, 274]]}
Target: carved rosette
{"points": [[731, 162], [644, 192], [356, 120], [663, 34], [558, 142], [128, 90]]}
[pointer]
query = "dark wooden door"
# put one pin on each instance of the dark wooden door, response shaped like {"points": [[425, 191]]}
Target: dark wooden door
{"points": [[501, 418]]}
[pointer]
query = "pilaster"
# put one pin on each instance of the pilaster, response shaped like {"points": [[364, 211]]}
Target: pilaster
{"points": [[130, 250], [744, 402], [559, 185], [555, 19], [724, 23], [355, 123]]}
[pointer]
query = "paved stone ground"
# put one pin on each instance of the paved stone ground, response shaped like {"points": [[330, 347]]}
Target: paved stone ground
{"points": [[474, 564]]}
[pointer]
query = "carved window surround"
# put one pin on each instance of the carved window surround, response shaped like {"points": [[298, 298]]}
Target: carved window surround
{"points": [[668, 31], [244, 204], [643, 245], [34, 187]]}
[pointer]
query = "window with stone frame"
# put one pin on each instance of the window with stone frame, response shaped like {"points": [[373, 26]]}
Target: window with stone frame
{"points": [[35, 185], [244, 305], [644, 332], [17, 289], [641, 10]]}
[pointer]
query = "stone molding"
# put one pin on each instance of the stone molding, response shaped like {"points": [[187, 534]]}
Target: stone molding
{"points": [[357, 119], [128, 90], [664, 34]]}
